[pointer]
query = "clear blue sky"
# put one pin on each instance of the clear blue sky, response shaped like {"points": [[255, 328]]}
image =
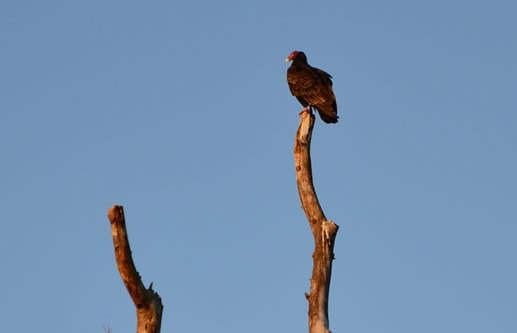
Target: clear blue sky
{"points": [[180, 111]]}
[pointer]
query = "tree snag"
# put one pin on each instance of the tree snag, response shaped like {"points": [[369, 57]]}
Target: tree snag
{"points": [[147, 302], [323, 230]]}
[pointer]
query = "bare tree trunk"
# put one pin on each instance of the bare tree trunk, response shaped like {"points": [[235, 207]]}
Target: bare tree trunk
{"points": [[324, 231], [148, 303]]}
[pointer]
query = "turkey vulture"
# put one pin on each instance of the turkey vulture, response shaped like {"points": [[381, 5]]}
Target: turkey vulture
{"points": [[311, 86]]}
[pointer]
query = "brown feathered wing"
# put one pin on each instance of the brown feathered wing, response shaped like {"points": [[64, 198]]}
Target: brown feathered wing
{"points": [[312, 86]]}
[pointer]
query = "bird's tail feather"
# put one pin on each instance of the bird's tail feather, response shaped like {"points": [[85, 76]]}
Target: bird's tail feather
{"points": [[328, 118]]}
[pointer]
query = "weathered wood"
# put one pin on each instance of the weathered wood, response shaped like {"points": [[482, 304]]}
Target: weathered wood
{"points": [[324, 231], [147, 302]]}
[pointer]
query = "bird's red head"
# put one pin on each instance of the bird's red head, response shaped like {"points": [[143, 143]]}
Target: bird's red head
{"points": [[292, 56]]}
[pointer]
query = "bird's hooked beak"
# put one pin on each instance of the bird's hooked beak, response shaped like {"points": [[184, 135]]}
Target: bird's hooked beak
{"points": [[288, 59]]}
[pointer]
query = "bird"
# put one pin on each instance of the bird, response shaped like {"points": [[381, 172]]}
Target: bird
{"points": [[312, 87]]}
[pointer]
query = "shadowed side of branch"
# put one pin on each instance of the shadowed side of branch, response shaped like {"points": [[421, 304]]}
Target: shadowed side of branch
{"points": [[147, 302], [324, 231]]}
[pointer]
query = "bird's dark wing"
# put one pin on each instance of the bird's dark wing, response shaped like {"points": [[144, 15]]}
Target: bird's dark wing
{"points": [[313, 86], [306, 84], [324, 76]]}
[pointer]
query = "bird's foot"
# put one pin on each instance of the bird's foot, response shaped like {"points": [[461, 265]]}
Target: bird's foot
{"points": [[307, 109]]}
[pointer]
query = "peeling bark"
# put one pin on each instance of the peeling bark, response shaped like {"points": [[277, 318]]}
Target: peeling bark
{"points": [[323, 230], [147, 302]]}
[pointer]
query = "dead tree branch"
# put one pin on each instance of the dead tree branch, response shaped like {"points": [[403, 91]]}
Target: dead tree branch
{"points": [[147, 302], [324, 231]]}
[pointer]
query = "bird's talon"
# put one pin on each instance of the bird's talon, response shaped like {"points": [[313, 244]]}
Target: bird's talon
{"points": [[307, 109]]}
